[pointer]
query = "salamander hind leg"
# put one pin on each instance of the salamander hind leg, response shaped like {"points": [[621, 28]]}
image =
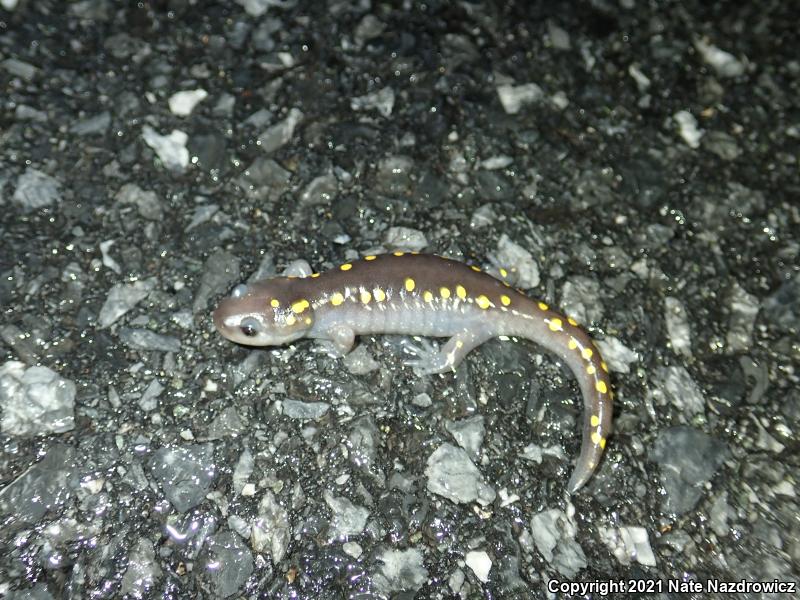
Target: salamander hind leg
{"points": [[430, 360]]}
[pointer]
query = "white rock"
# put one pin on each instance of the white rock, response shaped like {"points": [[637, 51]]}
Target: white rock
{"points": [[618, 356], [256, 8], [402, 570], [454, 476], [405, 238], [348, 519], [36, 189], [183, 103], [352, 549], [724, 63], [629, 544], [642, 80], [687, 128], [280, 133], [271, 529], [122, 298], [35, 400], [171, 149], [514, 97], [510, 254], [480, 563], [382, 101], [677, 320]]}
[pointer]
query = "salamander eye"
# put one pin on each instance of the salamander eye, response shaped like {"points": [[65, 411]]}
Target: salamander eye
{"points": [[239, 291], [249, 327]]}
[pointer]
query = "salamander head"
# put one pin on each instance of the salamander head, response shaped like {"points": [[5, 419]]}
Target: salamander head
{"points": [[265, 313]]}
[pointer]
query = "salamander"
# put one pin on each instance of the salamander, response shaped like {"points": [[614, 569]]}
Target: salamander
{"points": [[420, 295]]}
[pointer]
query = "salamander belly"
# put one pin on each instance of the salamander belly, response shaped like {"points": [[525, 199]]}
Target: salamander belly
{"points": [[411, 317]]}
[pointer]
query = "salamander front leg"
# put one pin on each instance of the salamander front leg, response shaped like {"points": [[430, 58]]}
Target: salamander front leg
{"points": [[429, 360], [342, 338]]}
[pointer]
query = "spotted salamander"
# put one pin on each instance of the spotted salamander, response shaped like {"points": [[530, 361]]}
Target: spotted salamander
{"points": [[421, 295]]}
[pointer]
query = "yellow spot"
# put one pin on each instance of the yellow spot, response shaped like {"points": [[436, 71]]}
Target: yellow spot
{"points": [[572, 321], [365, 296], [300, 306], [274, 303], [591, 370], [459, 344], [410, 285], [370, 257], [461, 292], [603, 443], [587, 353], [427, 296], [290, 320], [505, 300], [503, 272], [315, 275], [596, 438], [474, 268], [483, 301], [555, 324], [346, 267], [595, 421], [601, 386], [543, 306], [604, 366], [379, 294], [337, 299], [308, 320], [398, 253], [572, 343], [444, 292]]}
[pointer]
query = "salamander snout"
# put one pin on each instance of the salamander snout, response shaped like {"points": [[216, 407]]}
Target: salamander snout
{"points": [[219, 315]]}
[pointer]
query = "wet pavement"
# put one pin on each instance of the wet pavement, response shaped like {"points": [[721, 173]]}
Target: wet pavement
{"points": [[637, 165]]}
